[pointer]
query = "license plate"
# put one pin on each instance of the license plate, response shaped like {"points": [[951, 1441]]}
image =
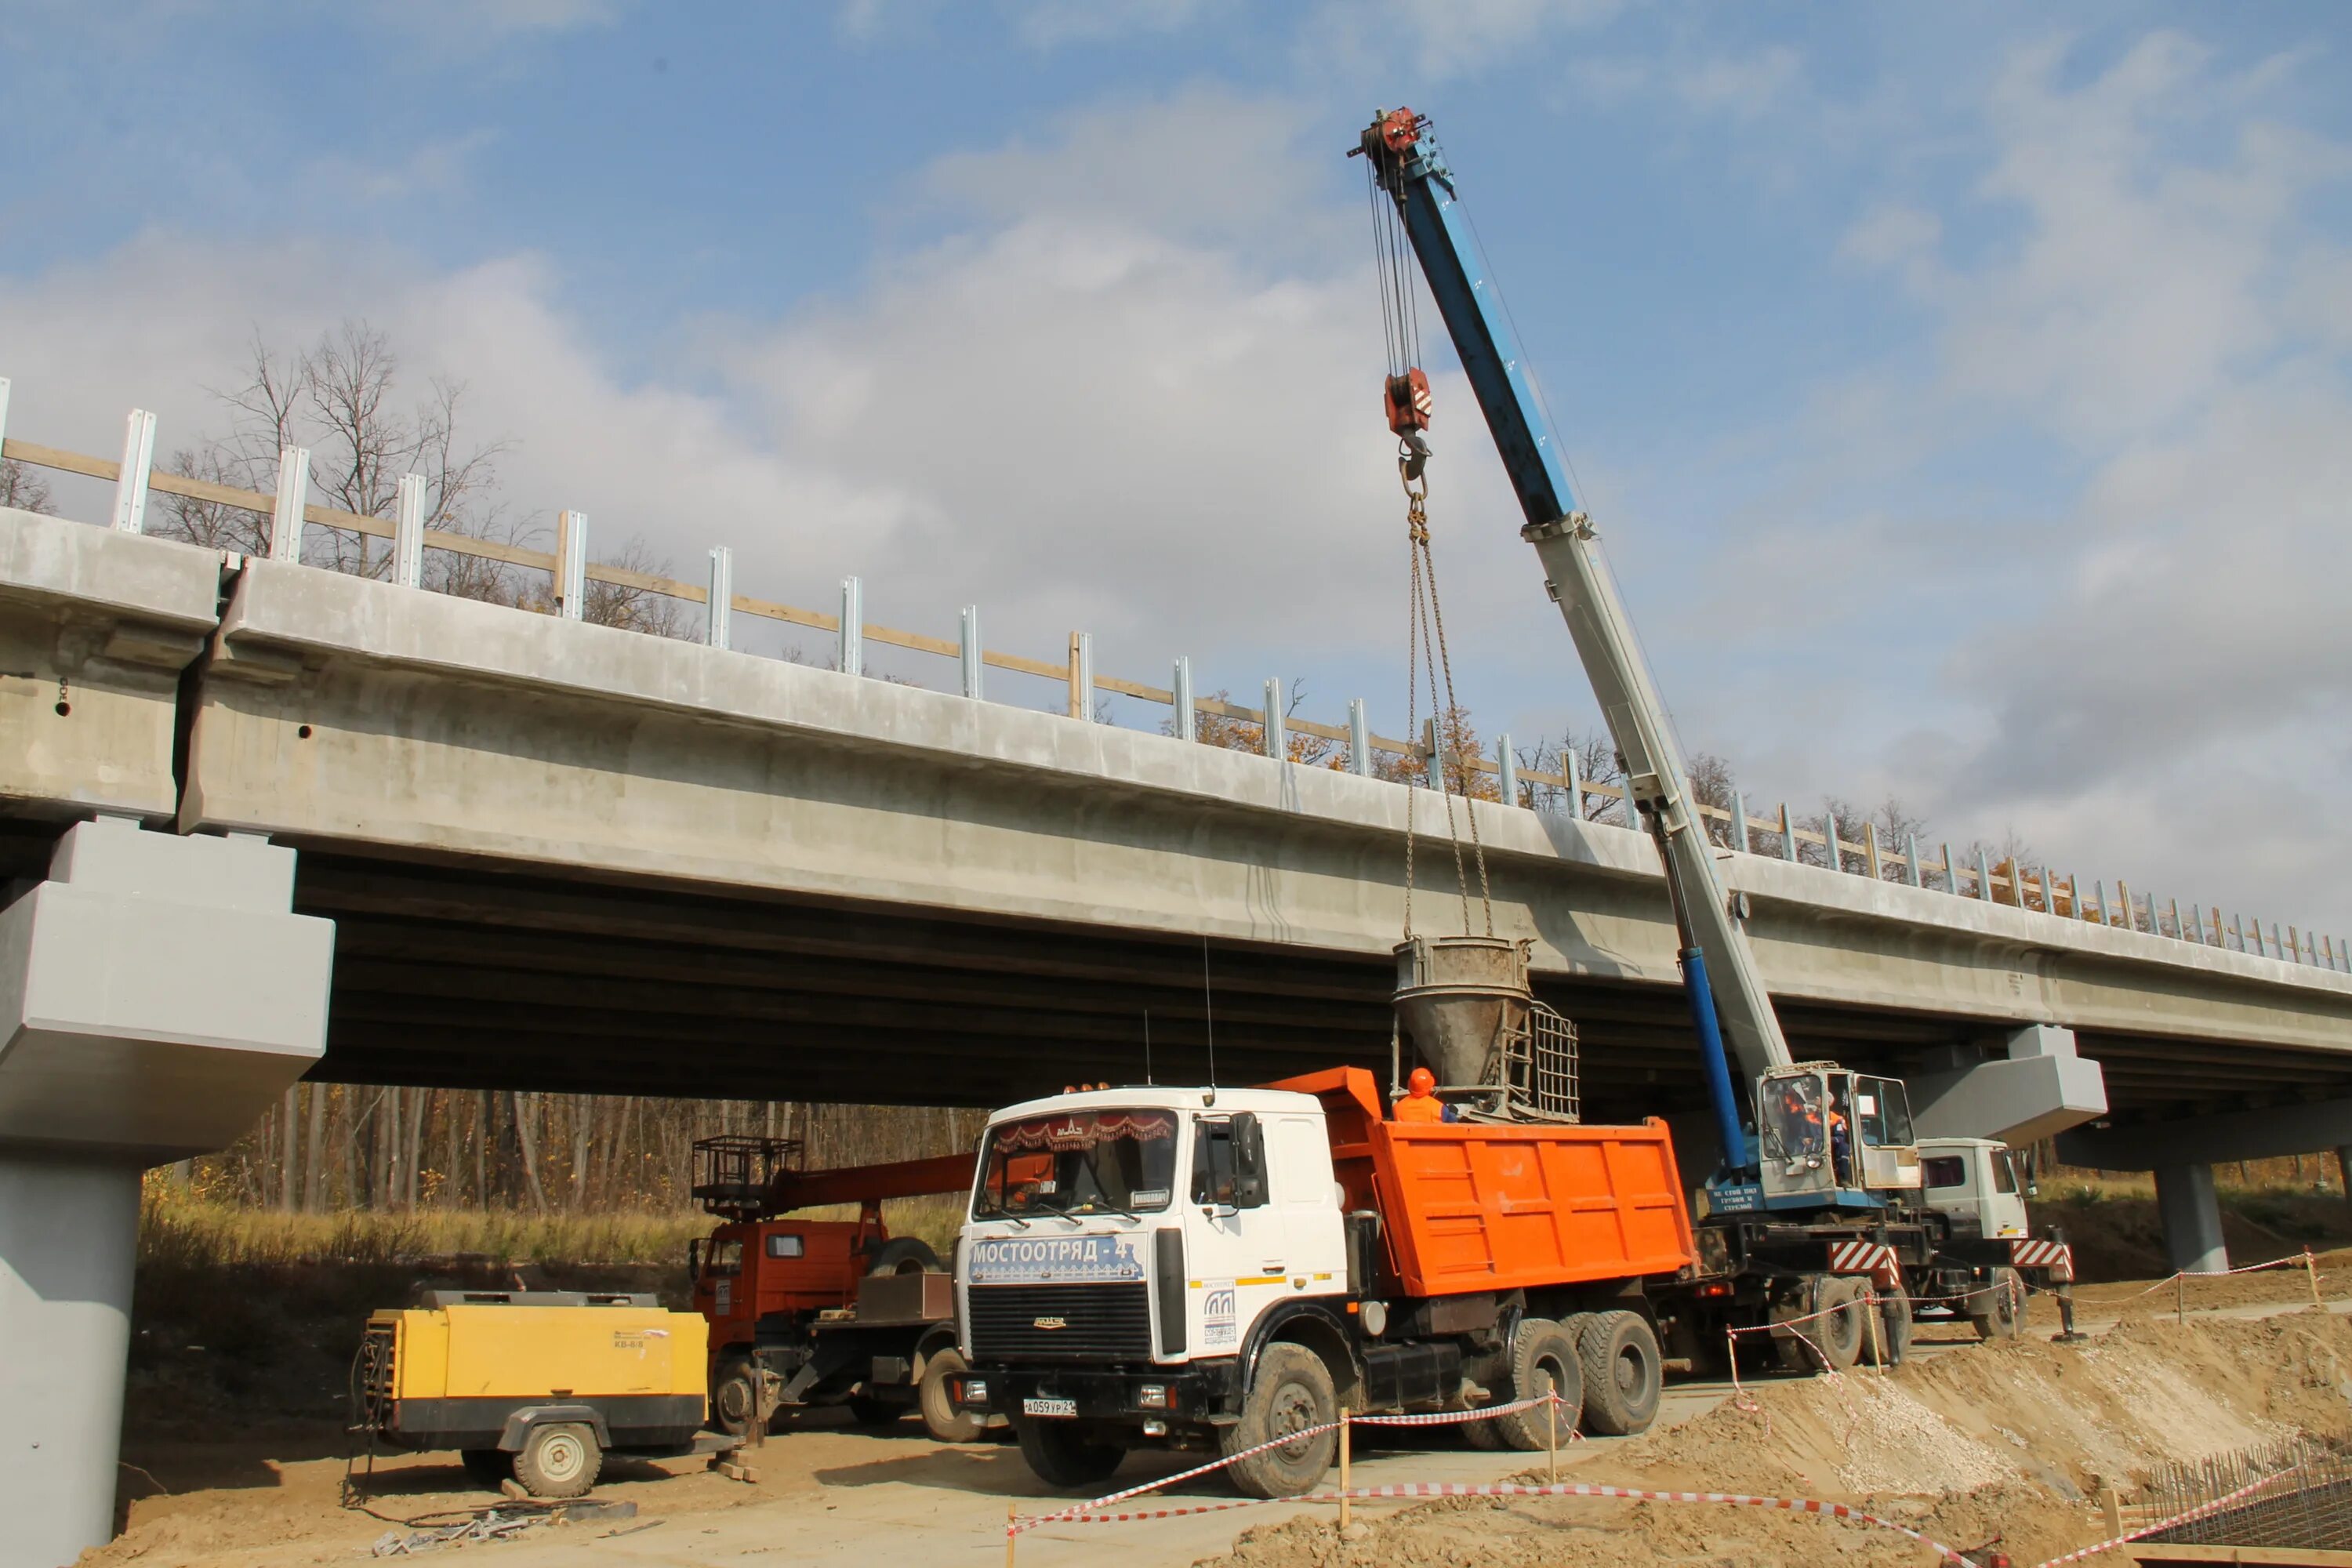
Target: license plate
{"points": [[1049, 1407]]}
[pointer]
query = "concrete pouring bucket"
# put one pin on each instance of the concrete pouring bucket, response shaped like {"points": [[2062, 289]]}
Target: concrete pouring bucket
{"points": [[1459, 997]]}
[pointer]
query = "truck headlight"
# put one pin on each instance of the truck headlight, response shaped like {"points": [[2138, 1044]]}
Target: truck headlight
{"points": [[975, 1391], [1152, 1396]]}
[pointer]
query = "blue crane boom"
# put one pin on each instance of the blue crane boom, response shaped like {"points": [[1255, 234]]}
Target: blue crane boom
{"points": [[1727, 999]]}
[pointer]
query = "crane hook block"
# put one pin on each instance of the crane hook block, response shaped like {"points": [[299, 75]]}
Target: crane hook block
{"points": [[1409, 403]]}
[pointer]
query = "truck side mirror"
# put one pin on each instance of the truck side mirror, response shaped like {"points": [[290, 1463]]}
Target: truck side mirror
{"points": [[1249, 1160]]}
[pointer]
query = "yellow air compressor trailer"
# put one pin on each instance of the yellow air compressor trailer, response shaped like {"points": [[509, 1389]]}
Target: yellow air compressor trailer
{"points": [[535, 1385]]}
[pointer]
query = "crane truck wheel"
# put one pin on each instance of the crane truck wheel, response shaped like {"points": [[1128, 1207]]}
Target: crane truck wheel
{"points": [[1623, 1374], [941, 1419], [1061, 1456], [559, 1460], [1544, 1359], [1995, 1309], [736, 1407], [1291, 1392], [1842, 1333], [905, 1255]]}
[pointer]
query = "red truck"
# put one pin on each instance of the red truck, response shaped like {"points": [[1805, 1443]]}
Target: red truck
{"points": [[823, 1312]]}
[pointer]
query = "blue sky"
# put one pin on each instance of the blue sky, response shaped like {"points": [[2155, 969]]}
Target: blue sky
{"points": [[1963, 392]]}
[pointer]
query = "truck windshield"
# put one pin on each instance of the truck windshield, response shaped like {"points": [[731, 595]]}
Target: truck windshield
{"points": [[1086, 1162]]}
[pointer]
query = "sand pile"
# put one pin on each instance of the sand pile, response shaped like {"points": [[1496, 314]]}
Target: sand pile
{"points": [[2010, 1439]]}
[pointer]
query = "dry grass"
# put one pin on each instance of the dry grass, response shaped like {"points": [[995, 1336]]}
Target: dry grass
{"points": [[180, 1230]]}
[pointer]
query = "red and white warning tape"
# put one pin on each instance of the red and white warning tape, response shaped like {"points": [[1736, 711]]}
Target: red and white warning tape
{"points": [[2194, 1514], [1411, 1489], [1082, 1513]]}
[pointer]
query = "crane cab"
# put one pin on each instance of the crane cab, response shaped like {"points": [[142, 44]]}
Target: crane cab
{"points": [[1829, 1136]]}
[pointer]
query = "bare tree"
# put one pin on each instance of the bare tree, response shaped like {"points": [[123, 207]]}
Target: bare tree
{"points": [[1596, 762], [339, 399], [1711, 782], [23, 488]]}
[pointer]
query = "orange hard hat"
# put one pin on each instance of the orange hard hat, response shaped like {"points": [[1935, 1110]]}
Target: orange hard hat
{"points": [[1422, 1081]]}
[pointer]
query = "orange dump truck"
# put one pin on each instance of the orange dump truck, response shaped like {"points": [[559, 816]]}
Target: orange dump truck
{"points": [[1214, 1268]]}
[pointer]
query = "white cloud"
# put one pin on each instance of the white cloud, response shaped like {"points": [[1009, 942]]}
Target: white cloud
{"points": [[1093, 410], [2174, 646]]}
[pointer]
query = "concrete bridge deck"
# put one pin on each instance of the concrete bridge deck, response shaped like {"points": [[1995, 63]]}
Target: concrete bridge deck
{"points": [[565, 856]]}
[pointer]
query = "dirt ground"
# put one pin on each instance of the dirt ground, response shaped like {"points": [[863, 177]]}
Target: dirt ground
{"points": [[1965, 1444], [2005, 1444], [234, 1443]]}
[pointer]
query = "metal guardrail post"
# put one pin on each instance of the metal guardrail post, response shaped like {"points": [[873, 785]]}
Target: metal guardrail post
{"points": [[131, 484], [1911, 858], [1506, 770], [1739, 822], [1571, 766], [408, 533], [1836, 860], [969, 649], [1271, 732], [1082, 677], [1870, 850], [852, 655], [293, 495], [1186, 728], [1360, 743], [4, 407], [1787, 834], [718, 607], [571, 565]]}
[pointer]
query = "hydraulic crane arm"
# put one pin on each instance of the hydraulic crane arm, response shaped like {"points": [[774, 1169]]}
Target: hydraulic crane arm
{"points": [[1718, 967]]}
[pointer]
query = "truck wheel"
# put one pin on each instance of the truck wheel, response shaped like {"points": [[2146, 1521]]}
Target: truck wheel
{"points": [[1623, 1374], [735, 1403], [1893, 1345], [1996, 1308], [1291, 1393], [488, 1467], [1061, 1456], [905, 1255], [941, 1419], [1841, 1335], [1544, 1359], [559, 1460]]}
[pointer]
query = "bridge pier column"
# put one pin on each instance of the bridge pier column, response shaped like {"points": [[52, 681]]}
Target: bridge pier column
{"points": [[156, 994], [67, 1232], [2192, 1218]]}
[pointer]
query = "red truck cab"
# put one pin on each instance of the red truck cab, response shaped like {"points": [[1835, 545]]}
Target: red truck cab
{"points": [[822, 1311]]}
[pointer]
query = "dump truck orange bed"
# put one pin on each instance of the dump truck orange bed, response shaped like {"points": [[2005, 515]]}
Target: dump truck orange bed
{"points": [[1470, 1205]]}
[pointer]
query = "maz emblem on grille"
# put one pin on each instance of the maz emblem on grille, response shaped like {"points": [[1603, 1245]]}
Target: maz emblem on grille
{"points": [[1049, 1322]]}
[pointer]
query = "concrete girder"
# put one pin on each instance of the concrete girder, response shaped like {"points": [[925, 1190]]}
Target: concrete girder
{"points": [[2306, 1127], [615, 754], [95, 627]]}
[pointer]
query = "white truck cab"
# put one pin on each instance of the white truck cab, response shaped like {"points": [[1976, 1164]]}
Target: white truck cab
{"points": [[1127, 1249], [1974, 1182]]}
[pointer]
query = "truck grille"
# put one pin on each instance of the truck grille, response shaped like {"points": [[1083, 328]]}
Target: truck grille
{"points": [[1055, 1322]]}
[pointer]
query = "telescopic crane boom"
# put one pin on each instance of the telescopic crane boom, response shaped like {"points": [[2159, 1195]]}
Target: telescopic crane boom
{"points": [[1719, 972]]}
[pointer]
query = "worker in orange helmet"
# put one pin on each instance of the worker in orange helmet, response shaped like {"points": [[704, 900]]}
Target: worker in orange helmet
{"points": [[1420, 1102]]}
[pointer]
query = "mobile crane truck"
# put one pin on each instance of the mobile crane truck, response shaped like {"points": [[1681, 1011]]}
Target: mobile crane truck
{"points": [[1323, 1256], [810, 1311], [1818, 1198]]}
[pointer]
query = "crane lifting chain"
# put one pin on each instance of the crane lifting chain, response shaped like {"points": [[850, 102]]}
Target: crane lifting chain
{"points": [[1426, 656]]}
